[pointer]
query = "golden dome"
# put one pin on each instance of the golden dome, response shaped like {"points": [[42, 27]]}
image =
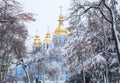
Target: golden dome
{"points": [[47, 38], [34, 43], [37, 40], [59, 30], [48, 34]]}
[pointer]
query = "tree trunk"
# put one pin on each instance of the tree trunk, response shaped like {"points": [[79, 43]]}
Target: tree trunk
{"points": [[27, 75], [113, 29]]}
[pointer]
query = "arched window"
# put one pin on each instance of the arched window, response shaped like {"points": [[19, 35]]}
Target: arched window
{"points": [[47, 46]]}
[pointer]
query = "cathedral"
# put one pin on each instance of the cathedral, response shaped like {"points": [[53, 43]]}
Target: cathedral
{"points": [[54, 41], [58, 39], [50, 43]]}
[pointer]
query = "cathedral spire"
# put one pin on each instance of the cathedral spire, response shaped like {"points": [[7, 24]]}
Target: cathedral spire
{"points": [[48, 28], [60, 9], [48, 33], [61, 18]]}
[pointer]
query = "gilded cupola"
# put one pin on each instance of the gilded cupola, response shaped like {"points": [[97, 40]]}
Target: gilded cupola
{"points": [[47, 38], [37, 41], [59, 30]]}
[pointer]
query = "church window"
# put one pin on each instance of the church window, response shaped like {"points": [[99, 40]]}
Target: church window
{"points": [[47, 46]]}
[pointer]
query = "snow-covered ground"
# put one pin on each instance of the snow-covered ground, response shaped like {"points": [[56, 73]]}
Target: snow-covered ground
{"points": [[47, 81]]}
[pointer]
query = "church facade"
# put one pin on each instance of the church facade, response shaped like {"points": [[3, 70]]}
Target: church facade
{"points": [[51, 43], [50, 51]]}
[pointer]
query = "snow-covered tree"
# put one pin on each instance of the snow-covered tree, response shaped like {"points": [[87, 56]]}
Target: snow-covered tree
{"points": [[13, 32], [93, 33]]}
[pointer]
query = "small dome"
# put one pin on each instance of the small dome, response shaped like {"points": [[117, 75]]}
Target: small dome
{"points": [[37, 41], [47, 38], [34, 43]]}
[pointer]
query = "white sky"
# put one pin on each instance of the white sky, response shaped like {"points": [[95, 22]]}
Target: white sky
{"points": [[47, 12]]}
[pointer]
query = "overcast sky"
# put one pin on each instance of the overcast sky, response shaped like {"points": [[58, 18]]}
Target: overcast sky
{"points": [[46, 12]]}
